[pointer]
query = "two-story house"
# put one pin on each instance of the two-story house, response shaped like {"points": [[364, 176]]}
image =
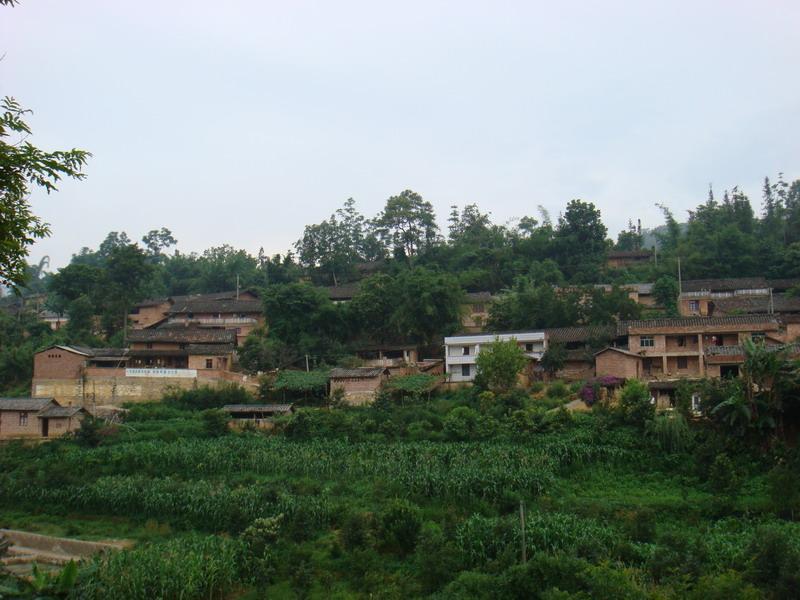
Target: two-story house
{"points": [[461, 351]]}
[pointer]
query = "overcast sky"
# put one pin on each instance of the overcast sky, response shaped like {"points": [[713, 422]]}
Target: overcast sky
{"points": [[240, 122]]}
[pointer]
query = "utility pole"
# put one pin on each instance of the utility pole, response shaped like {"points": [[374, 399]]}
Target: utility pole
{"points": [[680, 282], [307, 369], [771, 303], [522, 527], [237, 286]]}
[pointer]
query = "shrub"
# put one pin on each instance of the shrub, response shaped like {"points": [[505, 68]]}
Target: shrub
{"points": [[635, 403], [462, 424], [536, 387], [206, 397], [723, 477], [436, 559], [399, 525], [90, 432], [557, 389], [356, 531], [671, 432], [724, 586], [783, 484], [774, 562], [215, 422]]}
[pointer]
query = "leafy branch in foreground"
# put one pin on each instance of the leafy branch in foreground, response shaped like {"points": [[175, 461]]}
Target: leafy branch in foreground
{"points": [[23, 165]]}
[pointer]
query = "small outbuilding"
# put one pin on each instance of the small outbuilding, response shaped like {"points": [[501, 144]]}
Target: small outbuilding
{"points": [[37, 418], [359, 385], [260, 416]]}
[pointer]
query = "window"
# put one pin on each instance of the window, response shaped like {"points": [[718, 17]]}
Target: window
{"points": [[479, 308], [23, 419], [528, 347], [694, 305], [758, 337], [647, 341], [683, 362], [465, 351], [465, 370], [209, 363], [149, 345], [695, 402], [681, 341]]}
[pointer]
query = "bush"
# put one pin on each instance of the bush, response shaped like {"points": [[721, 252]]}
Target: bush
{"points": [[462, 424], [774, 563], [89, 434], [783, 484], [436, 559], [635, 403], [400, 524], [357, 531], [725, 586], [723, 477], [671, 432], [206, 397], [215, 422], [557, 389]]}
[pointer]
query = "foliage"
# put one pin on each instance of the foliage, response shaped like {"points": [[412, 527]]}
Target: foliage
{"points": [[635, 403], [23, 165], [400, 524], [554, 358], [184, 567], [415, 386], [500, 363], [205, 397], [215, 422], [671, 432]]}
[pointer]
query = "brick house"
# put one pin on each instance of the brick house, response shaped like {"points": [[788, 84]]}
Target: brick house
{"points": [[359, 385], [37, 418], [182, 347], [157, 360], [727, 297], [461, 351], [475, 311], [619, 259], [241, 312]]}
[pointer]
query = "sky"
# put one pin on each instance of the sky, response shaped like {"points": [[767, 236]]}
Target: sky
{"points": [[240, 122]]}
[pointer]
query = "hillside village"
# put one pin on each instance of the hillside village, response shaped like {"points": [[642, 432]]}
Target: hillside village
{"points": [[240, 359]]}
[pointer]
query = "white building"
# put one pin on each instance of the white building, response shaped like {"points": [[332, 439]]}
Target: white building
{"points": [[460, 351]]}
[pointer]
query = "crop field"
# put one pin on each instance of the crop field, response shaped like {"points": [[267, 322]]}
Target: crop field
{"points": [[355, 503]]}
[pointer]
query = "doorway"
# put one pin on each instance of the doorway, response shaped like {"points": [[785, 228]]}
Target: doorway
{"points": [[45, 427]]}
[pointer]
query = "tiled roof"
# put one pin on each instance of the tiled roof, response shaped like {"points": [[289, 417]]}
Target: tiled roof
{"points": [[476, 297], [223, 306], [210, 349], [255, 408], [629, 253], [56, 412], [26, 404], [701, 322], [581, 333], [342, 292], [357, 373], [738, 350], [758, 304], [724, 285], [191, 335]]}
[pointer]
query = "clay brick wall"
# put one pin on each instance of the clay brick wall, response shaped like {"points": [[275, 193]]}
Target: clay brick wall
{"points": [[617, 364], [148, 315], [56, 364], [10, 424]]}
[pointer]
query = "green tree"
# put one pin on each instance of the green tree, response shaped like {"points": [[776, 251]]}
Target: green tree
{"points": [[580, 241], [427, 305], [23, 165], [554, 358], [407, 223], [500, 363], [665, 290]]}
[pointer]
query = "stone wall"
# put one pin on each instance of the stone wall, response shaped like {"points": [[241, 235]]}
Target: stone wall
{"points": [[112, 387]]}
